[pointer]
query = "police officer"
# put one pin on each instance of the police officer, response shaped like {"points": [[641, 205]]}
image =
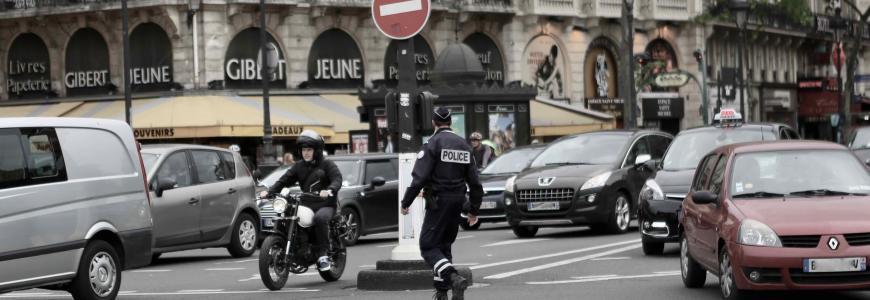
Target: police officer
{"points": [[444, 167]]}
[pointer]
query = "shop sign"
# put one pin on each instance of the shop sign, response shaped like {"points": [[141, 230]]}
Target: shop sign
{"points": [[613, 106], [335, 61], [242, 67], [489, 56], [424, 60], [150, 59], [825, 84], [286, 130], [662, 106], [153, 133], [28, 67], [672, 79], [87, 64], [543, 67]]}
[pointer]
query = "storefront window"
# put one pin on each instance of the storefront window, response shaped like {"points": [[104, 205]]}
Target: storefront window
{"points": [[502, 127]]}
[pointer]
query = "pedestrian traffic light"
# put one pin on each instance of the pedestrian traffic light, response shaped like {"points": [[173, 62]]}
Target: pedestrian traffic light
{"points": [[391, 105], [425, 106], [699, 55]]}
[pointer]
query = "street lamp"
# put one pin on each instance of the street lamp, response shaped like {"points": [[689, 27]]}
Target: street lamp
{"points": [[268, 60], [125, 26], [627, 85], [838, 24], [741, 14]]}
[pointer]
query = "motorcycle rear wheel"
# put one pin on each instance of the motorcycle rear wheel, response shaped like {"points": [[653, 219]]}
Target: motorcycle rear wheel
{"points": [[339, 259], [273, 274]]}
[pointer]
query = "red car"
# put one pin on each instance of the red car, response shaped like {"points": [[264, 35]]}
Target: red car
{"points": [[777, 216]]}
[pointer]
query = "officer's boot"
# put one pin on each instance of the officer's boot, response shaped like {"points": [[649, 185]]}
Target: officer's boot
{"points": [[459, 285], [440, 295]]}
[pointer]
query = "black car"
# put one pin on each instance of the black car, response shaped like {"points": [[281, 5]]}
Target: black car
{"points": [[585, 179], [494, 177], [369, 196], [662, 195], [859, 143]]}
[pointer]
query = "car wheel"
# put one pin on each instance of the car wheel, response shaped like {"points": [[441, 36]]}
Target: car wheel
{"points": [[244, 238], [352, 221], [524, 231], [621, 216], [99, 273], [693, 274], [466, 227], [653, 248], [727, 284]]}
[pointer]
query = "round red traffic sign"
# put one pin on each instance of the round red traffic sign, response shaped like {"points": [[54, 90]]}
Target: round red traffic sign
{"points": [[400, 19]]}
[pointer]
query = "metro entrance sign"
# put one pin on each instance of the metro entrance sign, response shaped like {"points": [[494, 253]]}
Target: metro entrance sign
{"points": [[400, 19]]}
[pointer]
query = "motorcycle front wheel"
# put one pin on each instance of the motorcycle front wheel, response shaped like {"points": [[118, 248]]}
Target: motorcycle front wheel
{"points": [[273, 271]]}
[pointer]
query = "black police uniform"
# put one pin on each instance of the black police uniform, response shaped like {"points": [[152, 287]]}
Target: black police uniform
{"points": [[444, 167]]}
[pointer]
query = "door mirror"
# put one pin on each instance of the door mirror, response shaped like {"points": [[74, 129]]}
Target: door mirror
{"points": [[164, 184], [376, 182], [642, 159], [705, 197]]}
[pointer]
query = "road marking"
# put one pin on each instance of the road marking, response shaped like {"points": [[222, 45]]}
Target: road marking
{"points": [[582, 280], [253, 277], [464, 237], [512, 242], [611, 258], [669, 272], [466, 264], [225, 269], [594, 276], [385, 246], [553, 254], [25, 294], [308, 274], [193, 293], [200, 291], [236, 262], [401, 7], [126, 292], [561, 263], [366, 266], [151, 271]]}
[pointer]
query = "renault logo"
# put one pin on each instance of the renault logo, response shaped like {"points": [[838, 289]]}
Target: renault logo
{"points": [[833, 243], [546, 181]]}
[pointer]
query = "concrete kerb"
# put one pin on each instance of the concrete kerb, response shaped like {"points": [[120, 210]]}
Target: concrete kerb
{"points": [[398, 275]]}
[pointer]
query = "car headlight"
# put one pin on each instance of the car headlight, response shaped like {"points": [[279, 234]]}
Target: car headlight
{"points": [[596, 182], [651, 191], [509, 184], [754, 233], [279, 205]]}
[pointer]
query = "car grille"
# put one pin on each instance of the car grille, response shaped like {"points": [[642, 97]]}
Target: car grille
{"points": [[858, 239], [800, 241], [799, 277], [525, 196]]}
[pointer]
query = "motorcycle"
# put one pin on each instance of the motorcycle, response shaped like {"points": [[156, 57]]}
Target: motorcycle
{"points": [[287, 248]]}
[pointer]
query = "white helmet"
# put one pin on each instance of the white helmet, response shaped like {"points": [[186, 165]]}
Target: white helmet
{"points": [[306, 216]]}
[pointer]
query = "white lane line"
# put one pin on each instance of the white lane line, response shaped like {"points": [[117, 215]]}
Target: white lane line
{"points": [[308, 274], [367, 266], [602, 279], [554, 254], [669, 272], [236, 262], [594, 276], [466, 264], [225, 269], [253, 277], [25, 294], [151, 271], [200, 291], [561, 263], [464, 237], [511, 242], [126, 292], [385, 246], [611, 258]]}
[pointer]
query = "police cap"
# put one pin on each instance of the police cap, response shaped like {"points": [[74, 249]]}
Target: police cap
{"points": [[441, 114]]}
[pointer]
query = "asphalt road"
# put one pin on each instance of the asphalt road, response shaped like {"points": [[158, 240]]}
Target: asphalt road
{"points": [[568, 263]]}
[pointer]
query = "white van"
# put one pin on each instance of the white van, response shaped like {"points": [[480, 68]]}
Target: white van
{"points": [[74, 210]]}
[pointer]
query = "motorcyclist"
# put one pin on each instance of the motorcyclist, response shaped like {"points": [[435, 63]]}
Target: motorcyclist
{"points": [[315, 174], [483, 153]]}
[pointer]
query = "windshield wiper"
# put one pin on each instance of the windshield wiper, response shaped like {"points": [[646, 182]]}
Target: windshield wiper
{"points": [[825, 192], [761, 194], [567, 164]]}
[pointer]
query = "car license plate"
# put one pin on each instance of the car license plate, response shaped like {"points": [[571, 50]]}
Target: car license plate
{"points": [[543, 205], [849, 264], [487, 205]]}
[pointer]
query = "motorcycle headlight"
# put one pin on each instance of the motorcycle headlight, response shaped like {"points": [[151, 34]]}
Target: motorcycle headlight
{"points": [[279, 205], [509, 185], [754, 233], [651, 191], [596, 182]]}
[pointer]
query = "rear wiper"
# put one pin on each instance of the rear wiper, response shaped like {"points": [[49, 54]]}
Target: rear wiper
{"points": [[825, 192], [758, 195]]}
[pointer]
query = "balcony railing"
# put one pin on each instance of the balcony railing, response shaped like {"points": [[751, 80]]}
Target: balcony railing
{"points": [[554, 7], [505, 6], [30, 4], [665, 10], [601, 8]]}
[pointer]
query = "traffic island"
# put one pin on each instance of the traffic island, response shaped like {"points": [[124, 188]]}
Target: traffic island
{"points": [[400, 275]]}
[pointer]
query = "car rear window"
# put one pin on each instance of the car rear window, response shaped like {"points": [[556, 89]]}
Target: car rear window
{"points": [[688, 148], [12, 164], [229, 163]]}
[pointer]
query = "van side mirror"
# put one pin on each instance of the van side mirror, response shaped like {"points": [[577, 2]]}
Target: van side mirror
{"points": [[376, 182], [642, 159], [705, 197], [164, 184]]}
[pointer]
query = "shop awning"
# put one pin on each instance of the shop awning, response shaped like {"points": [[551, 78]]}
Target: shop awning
{"points": [[335, 110], [38, 110], [551, 118]]}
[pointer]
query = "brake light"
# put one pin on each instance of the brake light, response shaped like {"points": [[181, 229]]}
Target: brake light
{"points": [[144, 175]]}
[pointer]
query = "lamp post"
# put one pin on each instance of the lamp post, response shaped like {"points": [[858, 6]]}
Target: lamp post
{"points": [[838, 24], [702, 68], [628, 86], [741, 10], [125, 26], [268, 60]]}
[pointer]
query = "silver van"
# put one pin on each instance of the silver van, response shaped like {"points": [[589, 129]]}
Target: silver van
{"points": [[74, 211], [201, 197]]}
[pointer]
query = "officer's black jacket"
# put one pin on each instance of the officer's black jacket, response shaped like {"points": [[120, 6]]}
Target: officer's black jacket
{"points": [[299, 173], [446, 165]]}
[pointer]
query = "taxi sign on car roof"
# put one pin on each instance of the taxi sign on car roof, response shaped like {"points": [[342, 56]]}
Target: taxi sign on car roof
{"points": [[728, 117]]}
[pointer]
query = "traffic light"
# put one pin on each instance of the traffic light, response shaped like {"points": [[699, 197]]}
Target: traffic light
{"points": [[425, 106], [699, 55], [391, 105]]}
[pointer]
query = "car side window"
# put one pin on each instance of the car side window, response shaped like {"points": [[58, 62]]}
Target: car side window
{"points": [[703, 172], [229, 164], [640, 147], [176, 167], [12, 163], [383, 168], [209, 168], [718, 176], [658, 145], [44, 158]]}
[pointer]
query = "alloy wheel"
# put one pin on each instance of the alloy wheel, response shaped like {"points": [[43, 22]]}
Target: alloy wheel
{"points": [[247, 235], [102, 274], [623, 213]]}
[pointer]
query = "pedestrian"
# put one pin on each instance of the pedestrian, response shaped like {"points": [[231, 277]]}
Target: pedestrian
{"points": [[444, 167], [288, 159], [483, 154]]}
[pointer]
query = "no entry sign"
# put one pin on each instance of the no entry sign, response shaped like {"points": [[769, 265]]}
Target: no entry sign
{"points": [[400, 19]]}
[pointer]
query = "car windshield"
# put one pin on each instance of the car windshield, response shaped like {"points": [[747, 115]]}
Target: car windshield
{"points": [[591, 149], [800, 173], [349, 172], [270, 179], [688, 149], [512, 162], [861, 140], [149, 159]]}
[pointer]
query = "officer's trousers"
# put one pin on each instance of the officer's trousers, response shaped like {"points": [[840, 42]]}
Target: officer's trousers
{"points": [[440, 227]]}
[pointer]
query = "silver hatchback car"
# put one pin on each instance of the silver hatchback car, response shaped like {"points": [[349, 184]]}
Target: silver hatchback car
{"points": [[201, 197]]}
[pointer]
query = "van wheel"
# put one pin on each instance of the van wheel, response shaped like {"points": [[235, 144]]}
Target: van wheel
{"points": [[244, 237], [99, 273]]}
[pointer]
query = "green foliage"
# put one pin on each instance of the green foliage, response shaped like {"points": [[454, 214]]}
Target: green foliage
{"points": [[796, 12]]}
